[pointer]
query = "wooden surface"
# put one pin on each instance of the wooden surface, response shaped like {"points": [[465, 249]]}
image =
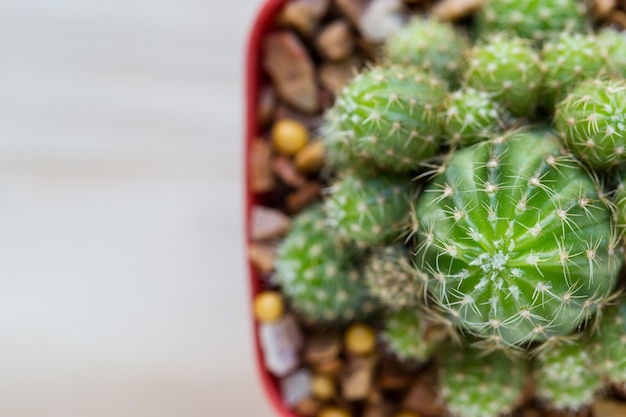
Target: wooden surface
{"points": [[122, 282]]}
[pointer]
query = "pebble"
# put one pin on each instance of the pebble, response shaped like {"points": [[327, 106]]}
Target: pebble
{"points": [[360, 339], [288, 63], [334, 76], [268, 306], [335, 41], [609, 408], [379, 410], [286, 170], [453, 10], [323, 386], [280, 343], [310, 159], [357, 377], [262, 255], [266, 105], [322, 346], [422, 398], [289, 136], [381, 19], [303, 15], [295, 387], [602, 8], [617, 18], [394, 375], [334, 412], [406, 414], [260, 166], [303, 196], [352, 9], [268, 223], [308, 407]]}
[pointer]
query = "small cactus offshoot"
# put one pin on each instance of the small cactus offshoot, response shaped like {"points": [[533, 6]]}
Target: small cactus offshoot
{"points": [[609, 344], [592, 122], [614, 43], [319, 273], [407, 336], [518, 244]]}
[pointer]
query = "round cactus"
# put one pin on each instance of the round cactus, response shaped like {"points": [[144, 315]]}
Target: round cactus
{"points": [[431, 46], [510, 70], [532, 19], [389, 117], [391, 278], [406, 337], [318, 272], [614, 43], [474, 385], [566, 377], [592, 122], [609, 344], [570, 59], [471, 116], [370, 211], [517, 242]]}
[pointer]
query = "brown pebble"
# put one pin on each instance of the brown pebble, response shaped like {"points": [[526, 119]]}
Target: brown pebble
{"points": [[286, 170], [323, 346], [268, 223], [266, 105], [334, 76], [357, 377], [260, 166], [422, 397], [289, 65], [311, 122], [303, 196], [394, 375], [379, 410], [335, 41], [311, 158], [308, 407], [617, 18], [609, 408], [262, 256], [602, 8], [455, 9], [352, 9], [530, 412], [303, 15], [331, 367]]}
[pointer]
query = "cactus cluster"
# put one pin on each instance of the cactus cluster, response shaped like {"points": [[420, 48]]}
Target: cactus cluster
{"points": [[483, 195]]}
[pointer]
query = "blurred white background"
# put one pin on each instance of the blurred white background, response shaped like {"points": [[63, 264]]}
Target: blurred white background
{"points": [[122, 282]]}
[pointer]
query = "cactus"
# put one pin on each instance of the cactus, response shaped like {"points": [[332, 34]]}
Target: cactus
{"points": [[473, 385], [386, 117], [518, 245], [614, 43], [318, 272], [510, 70], [569, 60], [471, 116], [532, 19], [391, 278], [592, 122], [566, 377], [609, 344], [429, 45], [370, 211], [409, 338]]}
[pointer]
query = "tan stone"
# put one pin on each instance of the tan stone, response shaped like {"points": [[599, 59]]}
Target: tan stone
{"points": [[357, 377], [303, 15], [335, 41], [260, 167], [310, 159], [268, 223], [286, 170], [455, 9], [303, 196], [335, 75], [602, 8], [262, 256]]}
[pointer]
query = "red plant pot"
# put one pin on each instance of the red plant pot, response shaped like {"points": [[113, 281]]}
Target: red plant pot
{"points": [[254, 80]]}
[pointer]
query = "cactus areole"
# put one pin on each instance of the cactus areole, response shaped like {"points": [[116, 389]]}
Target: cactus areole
{"points": [[518, 245]]}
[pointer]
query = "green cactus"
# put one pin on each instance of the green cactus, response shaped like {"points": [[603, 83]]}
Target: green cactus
{"points": [[370, 211], [319, 273], [592, 122], [566, 377], [391, 278], [471, 116], [532, 19], [518, 244], [510, 70], [569, 60], [386, 117], [475, 385], [429, 45], [614, 42], [609, 344], [406, 335]]}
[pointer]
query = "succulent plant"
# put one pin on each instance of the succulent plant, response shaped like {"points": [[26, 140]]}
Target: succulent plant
{"points": [[409, 338], [429, 45], [391, 278], [569, 60], [609, 344], [518, 244], [508, 69], [532, 19], [319, 273], [386, 117], [471, 116], [370, 211], [475, 385], [614, 43], [566, 377], [592, 122]]}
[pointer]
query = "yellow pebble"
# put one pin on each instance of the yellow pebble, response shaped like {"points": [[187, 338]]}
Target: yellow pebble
{"points": [[268, 306], [310, 158], [289, 136], [360, 339], [323, 386], [334, 412], [407, 414]]}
